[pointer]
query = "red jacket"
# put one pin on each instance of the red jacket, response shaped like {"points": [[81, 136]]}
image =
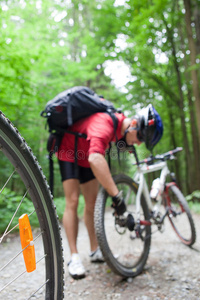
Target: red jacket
{"points": [[99, 129]]}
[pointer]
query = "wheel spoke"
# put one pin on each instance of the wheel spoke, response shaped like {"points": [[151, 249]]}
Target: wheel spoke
{"points": [[13, 228], [4, 234], [18, 276], [18, 254], [38, 289], [9, 178]]}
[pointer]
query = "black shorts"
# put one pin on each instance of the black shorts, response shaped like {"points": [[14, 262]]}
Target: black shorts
{"points": [[69, 170]]}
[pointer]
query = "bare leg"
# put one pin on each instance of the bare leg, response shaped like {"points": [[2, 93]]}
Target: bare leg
{"points": [[70, 218], [90, 190]]}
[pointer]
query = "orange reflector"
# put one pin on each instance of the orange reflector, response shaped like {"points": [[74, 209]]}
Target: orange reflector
{"points": [[27, 241]]}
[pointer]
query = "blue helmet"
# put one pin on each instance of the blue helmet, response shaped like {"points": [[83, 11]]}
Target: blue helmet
{"points": [[149, 126]]}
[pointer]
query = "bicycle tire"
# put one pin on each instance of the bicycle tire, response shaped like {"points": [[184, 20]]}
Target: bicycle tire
{"points": [[180, 216], [124, 253], [29, 173]]}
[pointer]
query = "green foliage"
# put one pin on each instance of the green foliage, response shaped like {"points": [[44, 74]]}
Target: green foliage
{"points": [[194, 201], [9, 202], [195, 207], [194, 197], [60, 206], [81, 206], [48, 46]]}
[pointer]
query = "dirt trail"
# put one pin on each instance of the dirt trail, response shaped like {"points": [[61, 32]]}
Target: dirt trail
{"points": [[172, 272]]}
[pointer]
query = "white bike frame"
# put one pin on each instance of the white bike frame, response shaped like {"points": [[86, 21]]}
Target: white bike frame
{"points": [[139, 178]]}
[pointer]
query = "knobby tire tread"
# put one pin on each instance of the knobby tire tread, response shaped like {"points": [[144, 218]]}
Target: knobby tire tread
{"points": [[22, 157], [101, 236]]}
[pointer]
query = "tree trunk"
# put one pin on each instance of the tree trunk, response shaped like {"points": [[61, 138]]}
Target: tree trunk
{"points": [[195, 145], [193, 52], [173, 142], [197, 24], [182, 115]]}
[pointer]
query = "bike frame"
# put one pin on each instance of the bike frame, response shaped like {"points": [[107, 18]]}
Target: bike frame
{"points": [[139, 178]]}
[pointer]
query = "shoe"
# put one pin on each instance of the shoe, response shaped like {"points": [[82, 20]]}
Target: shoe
{"points": [[75, 267], [96, 256]]}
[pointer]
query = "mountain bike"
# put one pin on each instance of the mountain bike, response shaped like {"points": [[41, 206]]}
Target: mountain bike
{"points": [[34, 267], [125, 240]]}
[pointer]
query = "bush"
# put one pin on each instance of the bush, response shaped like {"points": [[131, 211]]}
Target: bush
{"points": [[194, 197], [9, 202]]}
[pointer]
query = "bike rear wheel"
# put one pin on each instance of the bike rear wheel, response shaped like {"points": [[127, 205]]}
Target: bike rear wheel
{"points": [[124, 252], [26, 188], [179, 215]]}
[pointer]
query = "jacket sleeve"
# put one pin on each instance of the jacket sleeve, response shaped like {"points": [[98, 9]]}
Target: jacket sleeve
{"points": [[100, 134]]}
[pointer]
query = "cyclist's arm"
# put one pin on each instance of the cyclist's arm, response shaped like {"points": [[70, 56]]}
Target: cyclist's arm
{"points": [[100, 133], [101, 171]]}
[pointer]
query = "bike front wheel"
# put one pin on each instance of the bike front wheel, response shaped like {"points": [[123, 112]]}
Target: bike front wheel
{"points": [[36, 269], [179, 215], [124, 251]]}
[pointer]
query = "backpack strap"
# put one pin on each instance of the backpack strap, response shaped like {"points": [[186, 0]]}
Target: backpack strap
{"points": [[115, 123]]}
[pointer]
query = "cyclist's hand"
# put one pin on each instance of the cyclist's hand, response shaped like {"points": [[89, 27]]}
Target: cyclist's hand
{"points": [[118, 204]]}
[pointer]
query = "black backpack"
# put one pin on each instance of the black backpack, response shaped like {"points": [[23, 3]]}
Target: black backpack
{"points": [[67, 108]]}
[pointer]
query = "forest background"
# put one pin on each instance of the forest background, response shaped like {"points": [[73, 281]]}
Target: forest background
{"points": [[132, 52]]}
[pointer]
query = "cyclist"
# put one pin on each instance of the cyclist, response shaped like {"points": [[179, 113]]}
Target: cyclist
{"points": [[93, 169]]}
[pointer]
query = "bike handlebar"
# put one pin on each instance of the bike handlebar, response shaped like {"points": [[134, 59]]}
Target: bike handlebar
{"points": [[162, 157]]}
